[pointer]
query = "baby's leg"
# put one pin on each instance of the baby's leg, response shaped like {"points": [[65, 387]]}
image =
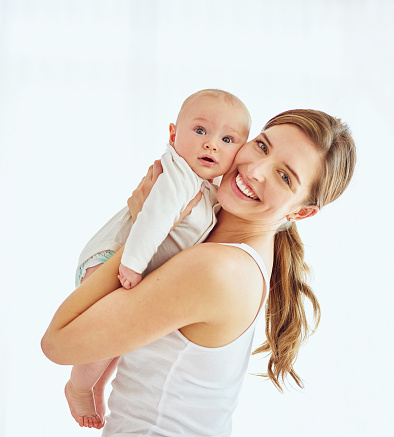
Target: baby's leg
{"points": [[80, 396], [98, 389], [79, 389]]}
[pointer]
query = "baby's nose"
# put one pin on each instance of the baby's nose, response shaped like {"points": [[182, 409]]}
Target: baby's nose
{"points": [[210, 146]]}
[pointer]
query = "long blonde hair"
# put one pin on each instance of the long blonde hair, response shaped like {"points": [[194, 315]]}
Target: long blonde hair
{"points": [[286, 323]]}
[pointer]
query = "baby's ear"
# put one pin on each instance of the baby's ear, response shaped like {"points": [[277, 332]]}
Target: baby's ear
{"points": [[172, 134]]}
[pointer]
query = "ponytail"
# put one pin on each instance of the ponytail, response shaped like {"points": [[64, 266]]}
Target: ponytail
{"points": [[286, 323]]}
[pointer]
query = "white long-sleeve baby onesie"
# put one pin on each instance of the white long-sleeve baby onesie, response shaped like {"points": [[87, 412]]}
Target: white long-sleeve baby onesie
{"points": [[151, 243], [174, 189]]}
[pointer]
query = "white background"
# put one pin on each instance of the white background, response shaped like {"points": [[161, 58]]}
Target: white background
{"points": [[87, 90]]}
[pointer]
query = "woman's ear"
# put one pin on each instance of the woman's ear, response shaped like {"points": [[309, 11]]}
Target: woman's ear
{"points": [[172, 134], [307, 211]]}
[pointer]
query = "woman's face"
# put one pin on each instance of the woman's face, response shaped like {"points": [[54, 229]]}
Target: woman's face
{"points": [[272, 176]]}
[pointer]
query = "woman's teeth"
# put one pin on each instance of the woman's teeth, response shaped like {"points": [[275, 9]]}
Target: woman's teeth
{"points": [[245, 190]]}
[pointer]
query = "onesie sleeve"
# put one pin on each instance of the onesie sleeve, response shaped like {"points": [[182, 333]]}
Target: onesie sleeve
{"points": [[173, 190]]}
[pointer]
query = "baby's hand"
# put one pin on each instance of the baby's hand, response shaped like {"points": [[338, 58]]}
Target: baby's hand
{"points": [[128, 278]]}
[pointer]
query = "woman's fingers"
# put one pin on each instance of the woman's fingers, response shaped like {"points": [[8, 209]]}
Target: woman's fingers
{"points": [[157, 170], [149, 173], [137, 199], [141, 182], [193, 203], [190, 206], [150, 179]]}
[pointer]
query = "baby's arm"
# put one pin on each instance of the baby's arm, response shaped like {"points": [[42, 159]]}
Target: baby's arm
{"points": [[169, 196]]}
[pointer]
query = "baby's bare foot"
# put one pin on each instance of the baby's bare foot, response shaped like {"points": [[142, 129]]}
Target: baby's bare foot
{"points": [[82, 407], [99, 401]]}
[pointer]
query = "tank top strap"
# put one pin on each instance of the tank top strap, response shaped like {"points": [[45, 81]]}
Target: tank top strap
{"points": [[256, 257]]}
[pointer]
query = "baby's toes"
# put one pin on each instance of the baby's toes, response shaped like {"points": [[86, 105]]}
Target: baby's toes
{"points": [[97, 423]]}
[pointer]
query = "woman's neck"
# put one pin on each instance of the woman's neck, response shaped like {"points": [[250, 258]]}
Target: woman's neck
{"points": [[232, 229]]}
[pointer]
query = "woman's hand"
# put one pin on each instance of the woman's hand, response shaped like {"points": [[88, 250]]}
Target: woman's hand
{"points": [[140, 194], [137, 199], [189, 207]]}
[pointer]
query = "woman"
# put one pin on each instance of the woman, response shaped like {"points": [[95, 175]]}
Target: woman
{"points": [[189, 325]]}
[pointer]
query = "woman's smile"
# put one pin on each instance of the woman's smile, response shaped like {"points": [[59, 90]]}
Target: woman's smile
{"points": [[242, 189]]}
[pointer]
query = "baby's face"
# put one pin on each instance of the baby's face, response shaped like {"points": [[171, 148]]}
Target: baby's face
{"points": [[208, 134]]}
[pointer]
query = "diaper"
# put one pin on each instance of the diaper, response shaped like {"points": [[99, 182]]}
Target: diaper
{"points": [[98, 258]]}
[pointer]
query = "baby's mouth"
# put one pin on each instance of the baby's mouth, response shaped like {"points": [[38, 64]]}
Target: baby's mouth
{"points": [[244, 188], [207, 160]]}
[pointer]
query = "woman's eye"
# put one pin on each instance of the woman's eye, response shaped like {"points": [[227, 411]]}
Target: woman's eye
{"points": [[227, 140], [199, 130], [262, 146], [285, 177]]}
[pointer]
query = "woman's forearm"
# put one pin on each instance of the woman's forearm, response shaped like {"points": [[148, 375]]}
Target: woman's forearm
{"points": [[95, 288], [95, 323], [103, 282]]}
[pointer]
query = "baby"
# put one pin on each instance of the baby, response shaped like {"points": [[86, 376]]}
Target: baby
{"points": [[210, 128]]}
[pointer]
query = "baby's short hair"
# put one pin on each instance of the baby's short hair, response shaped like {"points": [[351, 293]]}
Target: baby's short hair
{"points": [[219, 94]]}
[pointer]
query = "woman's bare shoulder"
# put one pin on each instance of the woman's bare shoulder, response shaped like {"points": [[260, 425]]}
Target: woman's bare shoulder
{"points": [[229, 282], [220, 258], [228, 269]]}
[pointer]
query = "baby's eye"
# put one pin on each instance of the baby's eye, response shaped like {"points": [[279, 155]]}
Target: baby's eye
{"points": [[262, 146], [227, 140], [199, 130], [285, 177]]}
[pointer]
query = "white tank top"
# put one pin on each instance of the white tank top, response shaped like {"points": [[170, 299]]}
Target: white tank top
{"points": [[173, 387]]}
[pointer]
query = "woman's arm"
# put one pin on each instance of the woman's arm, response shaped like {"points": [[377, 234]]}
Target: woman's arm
{"points": [[95, 322], [197, 288]]}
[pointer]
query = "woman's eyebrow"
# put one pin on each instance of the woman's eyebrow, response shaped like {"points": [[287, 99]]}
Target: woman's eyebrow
{"points": [[293, 172], [266, 139]]}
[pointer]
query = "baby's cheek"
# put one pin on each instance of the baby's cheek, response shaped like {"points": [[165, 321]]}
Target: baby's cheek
{"points": [[232, 155], [228, 162]]}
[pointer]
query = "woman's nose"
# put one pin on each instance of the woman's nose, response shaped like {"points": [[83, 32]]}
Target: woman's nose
{"points": [[210, 145], [257, 170]]}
